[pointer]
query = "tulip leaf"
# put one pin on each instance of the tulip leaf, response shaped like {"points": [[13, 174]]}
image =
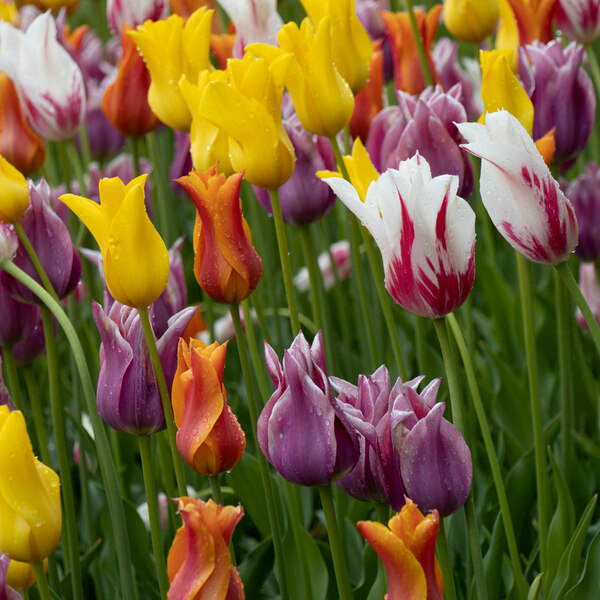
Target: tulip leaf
{"points": [[536, 588], [492, 561], [256, 568], [589, 584], [569, 562]]}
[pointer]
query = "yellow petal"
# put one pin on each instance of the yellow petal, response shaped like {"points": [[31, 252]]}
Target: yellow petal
{"points": [[14, 194], [92, 216]]}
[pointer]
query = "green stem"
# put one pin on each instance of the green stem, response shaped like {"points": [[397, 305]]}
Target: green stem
{"points": [[42, 583], [534, 401], [383, 512], [257, 363], [84, 142], [264, 469], [74, 159], [427, 76], [594, 67], [421, 345], [38, 414], [135, 143], [337, 551], [475, 547], [107, 467], [13, 376], [152, 499], [492, 458], [445, 562], [165, 399], [339, 159], [58, 425], [284, 257], [215, 487], [571, 285]]}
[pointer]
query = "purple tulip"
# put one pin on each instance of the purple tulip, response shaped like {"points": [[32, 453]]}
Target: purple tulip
{"points": [[584, 194], [588, 283], [128, 397], [304, 199], [423, 124], [6, 592], [182, 161], [302, 430], [562, 94], [51, 240], [8, 242]]}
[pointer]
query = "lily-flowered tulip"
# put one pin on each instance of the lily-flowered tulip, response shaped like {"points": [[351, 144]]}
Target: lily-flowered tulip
{"points": [[226, 264], [49, 82], [128, 397], [534, 19], [408, 73], [133, 12], [30, 510], [426, 234], [350, 43], [173, 49], [407, 550], [199, 564], [471, 20], [209, 436], [125, 100], [579, 20], [14, 197], [322, 98], [135, 258], [19, 144], [302, 430], [518, 191]]}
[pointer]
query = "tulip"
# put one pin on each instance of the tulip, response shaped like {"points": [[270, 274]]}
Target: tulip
{"points": [[52, 242], [322, 98], [407, 550], [6, 592], [34, 344], [125, 101], [407, 67], [14, 197], [9, 13], [303, 198], [302, 430], [19, 144], [426, 234], [350, 43], [584, 194], [53, 5], [133, 13], [226, 264], [471, 20], [128, 397], [579, 20], [172, 49], [534, 19], [8, 242], [49, 82], [19, 575], [135, 258], [522, 198], [590, 288], [424, 124], [340, 251], [209, 436], [562, 94], [30, 510], [369, 14], [198, 563], [186, 8], [5, 400]]}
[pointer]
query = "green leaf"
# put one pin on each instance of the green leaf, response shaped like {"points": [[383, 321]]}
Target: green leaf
{"points": [[536, 588], [589, 585], [256, 568], [492, 561]]}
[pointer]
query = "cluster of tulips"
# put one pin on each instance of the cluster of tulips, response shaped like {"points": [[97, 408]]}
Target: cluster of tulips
{"points": [[444, 417]]}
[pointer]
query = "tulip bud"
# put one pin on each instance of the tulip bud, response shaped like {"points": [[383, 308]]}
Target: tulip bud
{"points": [[471, 20], [14, 194], [30, 510]]}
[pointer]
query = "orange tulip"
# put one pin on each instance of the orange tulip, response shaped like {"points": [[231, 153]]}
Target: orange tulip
{"points": [[198, 564], [226, 264], [125, 101], [534, 19], [407, 550], [407, 68], [209, 436]]}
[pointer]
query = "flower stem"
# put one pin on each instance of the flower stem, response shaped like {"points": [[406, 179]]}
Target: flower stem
{"points": [[42, 583], [445, 562], [284, 257], [337, 551], [492, 458], [534, 401], [152, 499], [427, 76], [58, 425], [107, 467], [38, 414], [165, 399], [13, 376]]}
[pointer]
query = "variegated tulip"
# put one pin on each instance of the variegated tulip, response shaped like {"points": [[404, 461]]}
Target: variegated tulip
{"points": [[133, 12], [579, 20]]}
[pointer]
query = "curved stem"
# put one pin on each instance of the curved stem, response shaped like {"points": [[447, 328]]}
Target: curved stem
{"points": [[492, 458], [152, 499], [107, 467], [13, 376], [165, 399], [427, 76], [42, 583]]}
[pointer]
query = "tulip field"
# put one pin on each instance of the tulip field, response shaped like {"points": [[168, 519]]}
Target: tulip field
{"points": [[299, 300]]}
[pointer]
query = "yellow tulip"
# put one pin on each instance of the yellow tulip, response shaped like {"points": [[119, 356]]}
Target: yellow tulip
{"points": [[171, 49], [323, 100], [351, 45], [507, 36], [14, 194], [471, 20], [20, 575], [30, 511], [135, 258], [248, 111], [500, 88]]}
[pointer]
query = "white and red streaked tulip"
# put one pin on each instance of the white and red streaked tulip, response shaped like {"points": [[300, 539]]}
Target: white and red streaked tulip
{"points": [[49, 82], [426, 234], [579, 20], [518, 191], [133, 12]]}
